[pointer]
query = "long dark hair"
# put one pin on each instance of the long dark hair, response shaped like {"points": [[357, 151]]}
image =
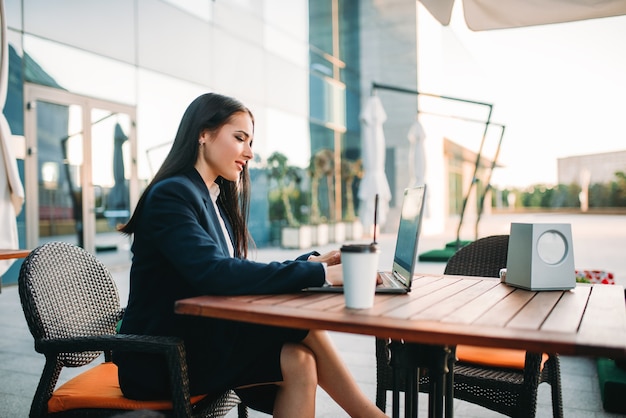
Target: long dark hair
{"points": [[207, 112]]}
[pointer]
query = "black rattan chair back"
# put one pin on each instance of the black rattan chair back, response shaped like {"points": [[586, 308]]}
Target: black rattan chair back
{"points": [[483, 257], [65, 293]]}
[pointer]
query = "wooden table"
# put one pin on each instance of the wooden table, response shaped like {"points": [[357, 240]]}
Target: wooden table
{"points": [[9, 254], [449, 310]]}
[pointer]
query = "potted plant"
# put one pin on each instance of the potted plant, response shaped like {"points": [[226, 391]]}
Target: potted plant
{"points": [[321, 166], [292, 233], [350, 170]]}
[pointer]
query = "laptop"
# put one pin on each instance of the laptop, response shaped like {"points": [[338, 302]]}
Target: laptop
{"points": [[398, 279]]}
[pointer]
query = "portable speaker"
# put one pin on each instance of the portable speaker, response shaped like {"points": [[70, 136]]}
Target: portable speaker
{"points": [[541, 257]]}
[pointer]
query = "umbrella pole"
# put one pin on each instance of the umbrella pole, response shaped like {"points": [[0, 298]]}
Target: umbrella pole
{"points": [[474, 179], [488, 186], [482, 142]]}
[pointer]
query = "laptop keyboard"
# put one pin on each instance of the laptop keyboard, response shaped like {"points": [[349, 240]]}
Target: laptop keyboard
{"points": [[389, 280]]}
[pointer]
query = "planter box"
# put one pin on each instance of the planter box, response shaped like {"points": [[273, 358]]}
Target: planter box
{"points": [[338, 232], [354, 230], [296, 237], [320, 234], [612, 381]]}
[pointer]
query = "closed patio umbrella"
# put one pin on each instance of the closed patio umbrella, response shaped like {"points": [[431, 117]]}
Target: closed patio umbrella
{"points": [[11, 189], [118, 200], [417, 154], [374, 181]]}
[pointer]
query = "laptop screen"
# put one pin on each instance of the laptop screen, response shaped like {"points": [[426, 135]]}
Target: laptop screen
{"points": [[408, 232]]}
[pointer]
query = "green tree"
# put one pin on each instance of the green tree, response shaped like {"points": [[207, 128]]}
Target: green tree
{"points": [[287, 179], [620, 189], [322, 165]]}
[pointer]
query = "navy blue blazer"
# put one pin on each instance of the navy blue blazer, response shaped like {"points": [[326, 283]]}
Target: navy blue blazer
{"points": [[179, 251]]}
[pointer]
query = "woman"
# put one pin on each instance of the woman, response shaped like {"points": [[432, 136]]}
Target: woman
{"points": [[190, 238]]}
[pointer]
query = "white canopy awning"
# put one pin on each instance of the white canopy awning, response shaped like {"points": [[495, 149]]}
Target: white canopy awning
{"points": [[501, 14]]}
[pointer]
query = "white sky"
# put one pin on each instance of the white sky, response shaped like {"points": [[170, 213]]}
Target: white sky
{"points": [[559, 89]]}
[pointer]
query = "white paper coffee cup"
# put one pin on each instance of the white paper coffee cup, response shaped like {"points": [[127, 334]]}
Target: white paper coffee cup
{"points": [[360, 268]]}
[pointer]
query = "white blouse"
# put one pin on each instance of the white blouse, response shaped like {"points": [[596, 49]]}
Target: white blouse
{"points": [[214, 191]]}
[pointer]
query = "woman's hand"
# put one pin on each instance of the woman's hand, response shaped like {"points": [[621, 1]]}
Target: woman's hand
{"points": [[330, 258], [334, 275]]}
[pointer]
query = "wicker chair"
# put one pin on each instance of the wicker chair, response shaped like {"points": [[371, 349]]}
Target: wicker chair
{"points": [[512, 392], [71, 305]]}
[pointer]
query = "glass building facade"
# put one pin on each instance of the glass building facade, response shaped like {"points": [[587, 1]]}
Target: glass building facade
{"points": [[335, 93], [97, 88]]}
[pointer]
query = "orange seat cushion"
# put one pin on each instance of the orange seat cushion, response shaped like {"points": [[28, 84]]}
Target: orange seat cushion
{"points": [[98, 388], [495, 357]]}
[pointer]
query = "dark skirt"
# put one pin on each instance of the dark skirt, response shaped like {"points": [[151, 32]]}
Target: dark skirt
{"points": [[221, 355]]}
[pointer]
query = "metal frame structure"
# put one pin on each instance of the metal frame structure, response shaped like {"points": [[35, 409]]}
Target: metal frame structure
{"points": [[378, 86]]}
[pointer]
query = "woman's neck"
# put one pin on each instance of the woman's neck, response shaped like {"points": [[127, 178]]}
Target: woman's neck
{"points": [[206, 173]]}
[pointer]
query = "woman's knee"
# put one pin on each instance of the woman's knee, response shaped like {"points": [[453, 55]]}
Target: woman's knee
{"points": [[298, 362]]}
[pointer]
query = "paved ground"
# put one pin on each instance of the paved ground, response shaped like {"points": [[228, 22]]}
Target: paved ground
{"points": [[599, 242]]}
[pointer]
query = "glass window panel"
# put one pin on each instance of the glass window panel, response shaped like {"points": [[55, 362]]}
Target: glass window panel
{"points": [[349, 31], [183, 48], [103, 27], [103, 131], [321, 65], [241, 23], [13, 14], [110, 175], [88, 74], [316, 87], [14, 105], [247, 5], [287, 86], [289, 135], [242, 71], [59, 162], [336, 103], [351, 145], [199, 8], [286, 47], [161, 102], [289, 17], [328, 101], [321, 25], [353, 107], [321, 138]]}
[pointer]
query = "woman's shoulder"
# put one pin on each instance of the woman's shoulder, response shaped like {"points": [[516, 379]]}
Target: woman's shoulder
{"points": [[187, 180], [177, 184], [178, 179]]}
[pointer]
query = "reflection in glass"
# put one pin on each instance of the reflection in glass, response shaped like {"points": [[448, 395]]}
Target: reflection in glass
{"points": [[321, 25], [328, 104], [61, 152], [110, 175], [198, 8], [79, 71], [161, 100], [60, 148]]}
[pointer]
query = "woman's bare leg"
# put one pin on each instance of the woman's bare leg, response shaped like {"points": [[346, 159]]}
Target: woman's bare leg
{"points": [[296, 393], [335, 378]]}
